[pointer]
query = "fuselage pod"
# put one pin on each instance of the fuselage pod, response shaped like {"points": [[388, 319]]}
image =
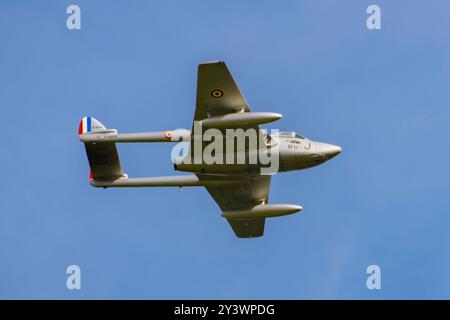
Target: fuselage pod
{"points": [[240, 119], [262, 211]]}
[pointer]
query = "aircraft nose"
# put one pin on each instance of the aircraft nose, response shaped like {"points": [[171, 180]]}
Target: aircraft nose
{"points": [[329, 150]]}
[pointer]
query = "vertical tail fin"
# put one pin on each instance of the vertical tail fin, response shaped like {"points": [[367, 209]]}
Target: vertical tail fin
{"points": [[89, 124], [102, 156]]}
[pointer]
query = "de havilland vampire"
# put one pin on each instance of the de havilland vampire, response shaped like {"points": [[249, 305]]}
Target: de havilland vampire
{"points": [[237, 178]]}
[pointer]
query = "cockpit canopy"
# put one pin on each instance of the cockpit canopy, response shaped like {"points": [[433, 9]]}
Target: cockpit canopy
{"points": [[288, 135], [272, 139]]}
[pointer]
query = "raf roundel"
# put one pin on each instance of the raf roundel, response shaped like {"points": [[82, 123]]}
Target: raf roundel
{"points": [[168, 135], [217, 93]]}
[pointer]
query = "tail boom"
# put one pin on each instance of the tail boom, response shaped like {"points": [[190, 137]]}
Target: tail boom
{"points": [[158, 136], [167, 181]]}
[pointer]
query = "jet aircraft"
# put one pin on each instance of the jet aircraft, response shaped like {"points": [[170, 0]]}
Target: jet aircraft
{"points": [[239, 186]]}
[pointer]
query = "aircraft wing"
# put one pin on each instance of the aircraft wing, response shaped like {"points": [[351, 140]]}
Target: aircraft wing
{"points": [[252, 190], [218, 97], [220, 103], [217, 93]]}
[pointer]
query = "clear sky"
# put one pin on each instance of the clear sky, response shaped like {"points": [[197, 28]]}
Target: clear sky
{"points": [[382, 95]]}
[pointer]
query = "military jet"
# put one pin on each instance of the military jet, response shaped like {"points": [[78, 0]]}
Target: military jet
{"points": [[236, 176]]}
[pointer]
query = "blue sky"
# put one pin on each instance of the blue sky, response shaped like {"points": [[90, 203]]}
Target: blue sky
{"points": [[383, 96]]}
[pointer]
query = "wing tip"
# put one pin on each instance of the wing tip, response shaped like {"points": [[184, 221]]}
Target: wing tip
{"points": [[211, 62], [248, 228]]}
